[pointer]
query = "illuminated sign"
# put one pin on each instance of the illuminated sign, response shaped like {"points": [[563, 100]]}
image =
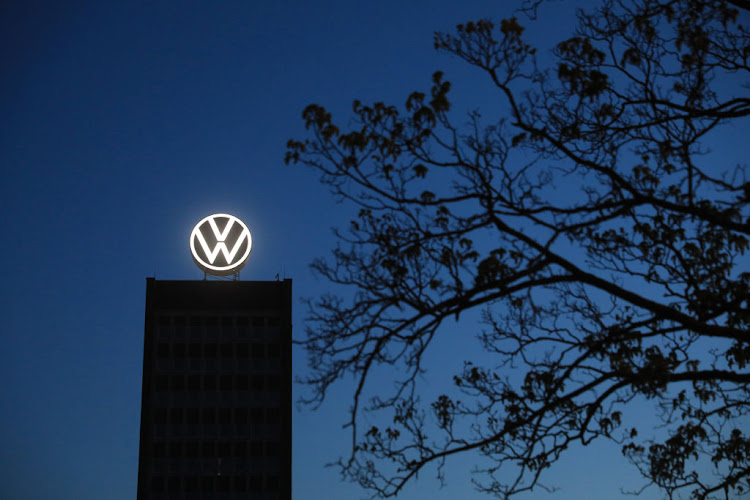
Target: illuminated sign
{"points": [[220, 244]]}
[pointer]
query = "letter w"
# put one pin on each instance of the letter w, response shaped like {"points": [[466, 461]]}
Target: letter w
{"points": [[220, 245]]}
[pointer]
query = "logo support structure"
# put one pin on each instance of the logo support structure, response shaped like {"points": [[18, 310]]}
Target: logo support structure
{"points": [[220, 244]]}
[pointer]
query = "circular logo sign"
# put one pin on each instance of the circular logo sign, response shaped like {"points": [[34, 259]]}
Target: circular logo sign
{"points": [[220, 244]]}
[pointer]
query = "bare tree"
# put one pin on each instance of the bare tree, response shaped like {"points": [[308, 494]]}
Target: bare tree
{"points": [[591, 225]]}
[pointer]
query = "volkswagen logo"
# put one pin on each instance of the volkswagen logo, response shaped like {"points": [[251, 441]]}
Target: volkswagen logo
{"points": [[220, 244]]}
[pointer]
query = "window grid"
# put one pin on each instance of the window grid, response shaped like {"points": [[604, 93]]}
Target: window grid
{"points": [[216, 354]]}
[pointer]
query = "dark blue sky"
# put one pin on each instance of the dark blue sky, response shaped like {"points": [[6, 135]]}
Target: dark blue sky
{"points": [[123, 124]]}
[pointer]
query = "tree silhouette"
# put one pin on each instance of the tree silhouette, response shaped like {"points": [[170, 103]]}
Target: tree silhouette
{"points": [[591, 225]]}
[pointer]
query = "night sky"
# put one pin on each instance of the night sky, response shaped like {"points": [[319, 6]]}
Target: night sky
{"points": [[123, 124]]}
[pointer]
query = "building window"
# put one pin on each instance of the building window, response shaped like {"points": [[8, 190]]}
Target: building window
{"points": [[160, 416], [243, 350], [174, 449], [194, 350], [273, 415], [162, 350], [226, 350], [240, 382], [180, 326], [256, 482], [274, 350], [239, 484], [209, 416], [207, 449], [223, 449], [239, 449], [225, 416], [222, 484], [207, 484], [192, 415], [157, 484], [212, 326], [192, 449], [256, 415], [272, 449], [192, 484], [256, 382], [272, 483], [173, 483], [176, 416]]}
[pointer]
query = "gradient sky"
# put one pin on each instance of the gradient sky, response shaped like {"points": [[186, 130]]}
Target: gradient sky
{"points": [[123, 124]]}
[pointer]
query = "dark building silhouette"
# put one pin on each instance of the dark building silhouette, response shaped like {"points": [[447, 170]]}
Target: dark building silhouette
{"points": [[216, 402]]}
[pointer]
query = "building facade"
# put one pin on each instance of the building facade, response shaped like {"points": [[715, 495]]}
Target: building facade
{"points": [[216, 401]]}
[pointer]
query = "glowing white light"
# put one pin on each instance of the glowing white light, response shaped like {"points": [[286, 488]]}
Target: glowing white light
{"points": [[206, 259]]}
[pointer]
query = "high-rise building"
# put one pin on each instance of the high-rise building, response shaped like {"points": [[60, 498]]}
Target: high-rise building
{"points": [[216, 402]]}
